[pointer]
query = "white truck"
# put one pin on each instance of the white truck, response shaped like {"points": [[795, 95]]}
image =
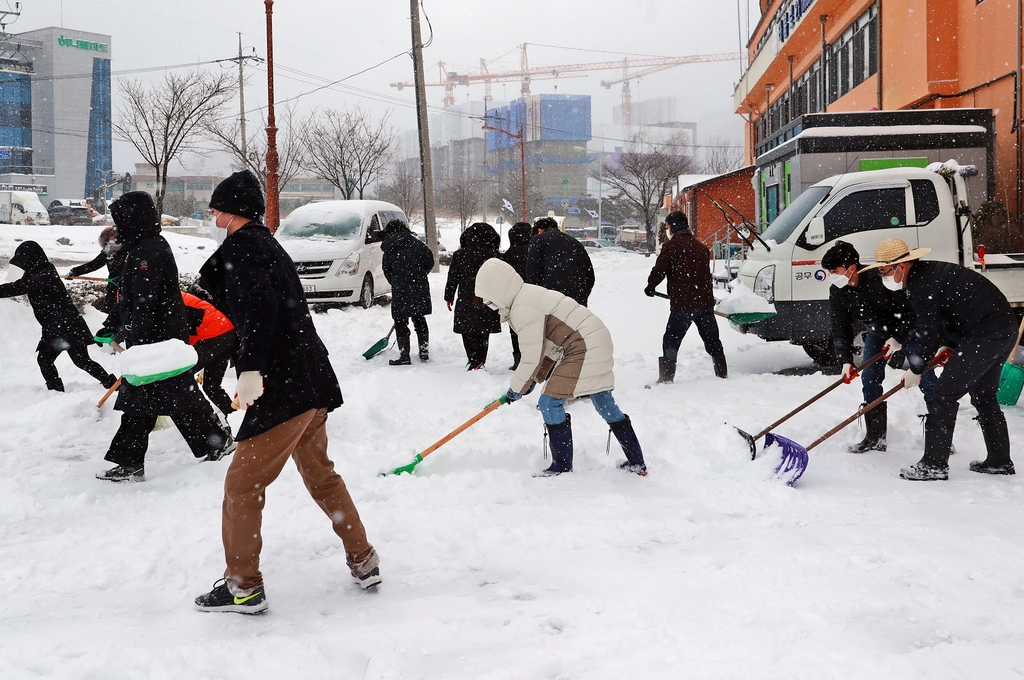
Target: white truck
{"points": [[22, 207], [926, 207]]}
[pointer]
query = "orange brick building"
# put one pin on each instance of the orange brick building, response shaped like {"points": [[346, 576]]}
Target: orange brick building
{"points": [[814, 56], [712, 204]]}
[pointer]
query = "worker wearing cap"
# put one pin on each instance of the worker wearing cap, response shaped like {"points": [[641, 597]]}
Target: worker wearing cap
{"points": [[953, 302]]}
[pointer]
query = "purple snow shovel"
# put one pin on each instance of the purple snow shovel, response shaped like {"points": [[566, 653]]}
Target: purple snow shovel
{"points": [[794, 456]]}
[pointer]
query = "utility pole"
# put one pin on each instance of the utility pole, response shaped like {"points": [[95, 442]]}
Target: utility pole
{"points": [[240, 60], [426, 172]]}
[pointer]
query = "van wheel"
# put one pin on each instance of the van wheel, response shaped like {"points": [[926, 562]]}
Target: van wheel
{"points": [[823, 353], [366, 295]]}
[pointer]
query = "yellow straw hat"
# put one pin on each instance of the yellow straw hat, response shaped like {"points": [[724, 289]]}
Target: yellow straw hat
{"points": [[893, 251]]}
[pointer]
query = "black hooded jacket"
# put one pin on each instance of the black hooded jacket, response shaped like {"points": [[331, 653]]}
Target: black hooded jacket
{"points": [[559, 262], [518, 247], [254, 282], [954, 304], [882, 312], [150, 308], [406, 262], [478, 244], [62, 325]]}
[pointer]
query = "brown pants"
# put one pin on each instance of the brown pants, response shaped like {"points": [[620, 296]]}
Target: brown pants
{"points": [[257, 462]]}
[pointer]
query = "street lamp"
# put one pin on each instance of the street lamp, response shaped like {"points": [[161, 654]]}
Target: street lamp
{"points": [[273, 208], [522, 156]]}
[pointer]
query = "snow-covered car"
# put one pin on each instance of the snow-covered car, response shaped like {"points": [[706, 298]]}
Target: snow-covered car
{"points": [[69, 214], [335, 246], [595, 245], [423, 238]]}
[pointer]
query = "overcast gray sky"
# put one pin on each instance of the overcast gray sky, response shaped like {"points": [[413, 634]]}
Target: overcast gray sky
{"points": [[332, 39]]}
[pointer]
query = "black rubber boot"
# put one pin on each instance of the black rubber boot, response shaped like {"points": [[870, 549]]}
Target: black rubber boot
{"points": [[938, 438], [402, 340], [424, 352], [623, 431], [666, 370], [876, 423], [55, 385], [560, 438], [721, 367], [997, 444], [423, 340]]}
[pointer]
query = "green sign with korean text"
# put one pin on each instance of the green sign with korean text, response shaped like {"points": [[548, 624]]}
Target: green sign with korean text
{"points": [[82, 44]]}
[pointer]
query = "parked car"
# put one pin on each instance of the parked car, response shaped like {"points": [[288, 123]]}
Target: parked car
{"points": [[70, 214], [596, 245], [335, 246], [423, 238]]}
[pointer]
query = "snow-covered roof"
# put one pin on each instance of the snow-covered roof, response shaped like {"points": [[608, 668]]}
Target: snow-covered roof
{"points": [[873, 130], [687, 181]]}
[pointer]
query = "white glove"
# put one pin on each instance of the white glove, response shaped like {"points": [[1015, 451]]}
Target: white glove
{"points": [[892, 345], [910, 379], [249, 388], [848, 370]]}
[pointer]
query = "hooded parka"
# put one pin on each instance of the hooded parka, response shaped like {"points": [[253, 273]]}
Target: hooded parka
{"points": [[406, 262], [518, 247], [62, 325], [478, 244], [559, 262], [561, 341]]}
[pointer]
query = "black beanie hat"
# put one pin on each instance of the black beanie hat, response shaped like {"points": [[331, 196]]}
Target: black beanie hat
{"points": [[676, 220], [240, 194], [842, 254]]}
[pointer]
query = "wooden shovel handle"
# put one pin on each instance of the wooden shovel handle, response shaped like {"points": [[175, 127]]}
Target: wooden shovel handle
{"points": [[461, 428], [111, 390], [89, 278]]}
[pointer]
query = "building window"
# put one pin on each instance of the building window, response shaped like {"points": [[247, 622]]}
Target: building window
{"points": [[16, 121], [853, 58], [99, 161]]}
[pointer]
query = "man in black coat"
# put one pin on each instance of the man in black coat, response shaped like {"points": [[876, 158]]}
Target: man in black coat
{"points": [[961, 306], [406, 263], [516, 255], [858, 300], [557, 261], [287, 387], [111, 256], [63, 327], [685, 262], [475, 324], [150, 310]]}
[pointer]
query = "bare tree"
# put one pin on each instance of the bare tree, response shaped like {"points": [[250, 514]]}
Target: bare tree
{"points": [[226, 133], [644, 172], [347, 149], [461, 197], [164, 122], [403, 188], [720, 155]]}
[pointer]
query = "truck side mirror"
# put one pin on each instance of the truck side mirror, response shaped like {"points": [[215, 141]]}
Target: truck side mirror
{"points": [[815, 234]]}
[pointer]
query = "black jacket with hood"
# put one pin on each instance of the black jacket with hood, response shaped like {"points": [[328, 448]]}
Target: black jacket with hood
{"points": [[150, 308], [477, 244], [559, 262], [62, 325], [406, 263], [254, 282], [518, 247]]}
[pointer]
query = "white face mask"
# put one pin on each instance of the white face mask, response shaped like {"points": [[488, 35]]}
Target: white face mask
{"points": [[218, 234], [890, 283], [839, 280]]}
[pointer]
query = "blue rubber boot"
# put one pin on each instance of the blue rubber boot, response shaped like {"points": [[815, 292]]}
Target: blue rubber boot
{"points": [[560, 437], [623, 431]]}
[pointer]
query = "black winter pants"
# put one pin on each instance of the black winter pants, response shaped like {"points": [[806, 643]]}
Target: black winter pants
{"points": [[476, 345], [80, 357], [201, 431], [973, 369], [214, 355], [403, 335]]}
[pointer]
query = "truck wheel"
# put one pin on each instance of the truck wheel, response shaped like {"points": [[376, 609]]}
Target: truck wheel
{"points": [[822, 353], [366, 295]]}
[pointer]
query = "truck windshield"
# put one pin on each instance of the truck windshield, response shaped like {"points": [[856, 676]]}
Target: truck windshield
{"points": [[326, 226], [783, 226]]}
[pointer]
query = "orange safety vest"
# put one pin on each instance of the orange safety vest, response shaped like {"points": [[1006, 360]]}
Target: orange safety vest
{"points": [[214, 323]]}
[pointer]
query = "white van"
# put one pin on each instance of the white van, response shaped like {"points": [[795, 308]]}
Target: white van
{"points": [[335, 246], [27, 209]]}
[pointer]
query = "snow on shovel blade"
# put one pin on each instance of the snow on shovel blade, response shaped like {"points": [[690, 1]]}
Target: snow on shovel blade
{"points": [[377, 348], [794, 459]]}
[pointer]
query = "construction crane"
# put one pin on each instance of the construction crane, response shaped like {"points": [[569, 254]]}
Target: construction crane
{"points": [[525, 74]]}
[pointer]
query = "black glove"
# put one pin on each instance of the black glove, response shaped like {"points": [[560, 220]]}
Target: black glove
{"points": [[69, 276], [649, 292]]}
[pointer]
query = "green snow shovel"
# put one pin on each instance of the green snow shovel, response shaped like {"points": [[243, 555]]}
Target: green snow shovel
{"points": [[379, 346], [447, 438], [1011, 380], [736, 317]]}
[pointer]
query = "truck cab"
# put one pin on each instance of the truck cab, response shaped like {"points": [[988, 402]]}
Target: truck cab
{"points": [[925, 207]]}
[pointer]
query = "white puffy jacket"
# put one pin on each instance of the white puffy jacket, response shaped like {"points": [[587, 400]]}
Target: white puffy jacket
{"points": [[561, 341]]}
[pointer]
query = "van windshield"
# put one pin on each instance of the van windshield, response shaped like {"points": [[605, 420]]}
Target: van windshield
{"points": [[321, 225], [784, 225]]}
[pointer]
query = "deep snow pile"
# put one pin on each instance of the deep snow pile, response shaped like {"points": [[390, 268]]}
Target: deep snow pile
{"points": [[703, 569]]}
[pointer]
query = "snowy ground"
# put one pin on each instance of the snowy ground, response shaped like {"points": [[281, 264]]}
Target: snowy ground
{"points": [[701, 570]]}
